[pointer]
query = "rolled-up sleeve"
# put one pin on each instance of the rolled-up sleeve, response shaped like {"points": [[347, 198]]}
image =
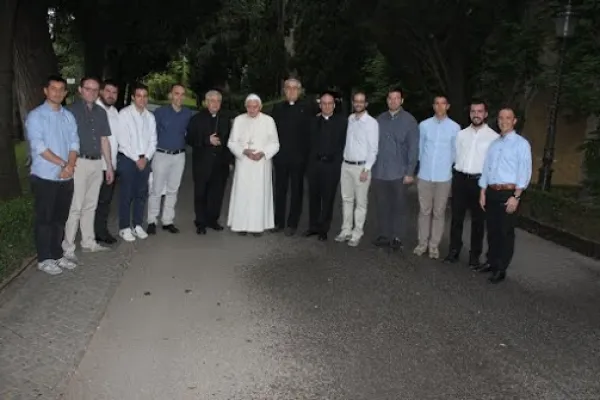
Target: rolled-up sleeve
{"points": [[73, 135], [524, 165], [35, 133]]}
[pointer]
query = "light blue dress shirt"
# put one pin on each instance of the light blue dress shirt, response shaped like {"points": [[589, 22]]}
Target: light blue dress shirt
{"points": [[508, 161], [437, 149], [52, 130]]}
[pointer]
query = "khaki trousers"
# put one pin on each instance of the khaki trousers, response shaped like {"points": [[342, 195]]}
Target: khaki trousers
{"points": [[355, 195], [433, 197], [167, 170], [87, 181]]}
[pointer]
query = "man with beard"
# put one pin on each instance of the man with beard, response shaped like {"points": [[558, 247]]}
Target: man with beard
{"points": [[208, 134], [169, 160], [505, 175], [292, 119], [472, 144], [108, 97], [327, 141], [360, 153]]}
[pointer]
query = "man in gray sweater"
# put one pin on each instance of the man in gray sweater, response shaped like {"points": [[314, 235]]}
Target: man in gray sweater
{"points": [[394, 170]]}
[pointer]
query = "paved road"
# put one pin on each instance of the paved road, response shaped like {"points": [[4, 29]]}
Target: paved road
{"points": [[229, 317]]}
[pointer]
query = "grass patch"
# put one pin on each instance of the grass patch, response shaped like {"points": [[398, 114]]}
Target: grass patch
{"points": [[16, 222]]}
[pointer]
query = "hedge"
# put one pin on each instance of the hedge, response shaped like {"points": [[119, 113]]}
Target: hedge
{"points": [[16, 233]]}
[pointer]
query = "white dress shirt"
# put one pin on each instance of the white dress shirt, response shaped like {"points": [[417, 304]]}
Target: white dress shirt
{"points": [[471, 147], [362, 140], [113, 122], [137, 133]]}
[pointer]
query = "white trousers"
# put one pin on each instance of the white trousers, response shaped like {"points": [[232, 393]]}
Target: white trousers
{"points": [[87, 181], [167, 170], [355, 197]]}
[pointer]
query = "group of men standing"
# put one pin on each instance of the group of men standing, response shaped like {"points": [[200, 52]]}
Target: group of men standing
{"points": [[77, 152]]}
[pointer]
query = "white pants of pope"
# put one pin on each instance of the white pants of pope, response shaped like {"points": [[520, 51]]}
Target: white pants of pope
{"points": [[355, 197], [167, 170]]}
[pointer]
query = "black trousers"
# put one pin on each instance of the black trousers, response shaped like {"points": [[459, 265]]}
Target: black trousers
{"points": [[103, 208], [209, 190], [392, 207], [500, 229], [465, 197], [52, 202], [323, 180], [288, 176]]}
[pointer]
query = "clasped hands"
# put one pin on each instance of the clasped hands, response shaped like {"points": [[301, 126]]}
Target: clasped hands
{"points": [[253, 154], [67, 172]]}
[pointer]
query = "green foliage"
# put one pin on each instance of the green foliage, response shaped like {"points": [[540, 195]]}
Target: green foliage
{"points": [[16, 231], [159, 83]]}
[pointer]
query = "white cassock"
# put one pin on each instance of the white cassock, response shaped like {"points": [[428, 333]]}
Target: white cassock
{"points": [[251, 201]]}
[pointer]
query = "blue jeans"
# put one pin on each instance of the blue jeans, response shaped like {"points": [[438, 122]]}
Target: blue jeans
{"points": [[133, 189]]}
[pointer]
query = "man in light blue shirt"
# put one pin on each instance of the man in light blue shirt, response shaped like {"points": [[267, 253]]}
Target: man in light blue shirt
{"points": [[54, 144], [437, 151], [506, 174]]}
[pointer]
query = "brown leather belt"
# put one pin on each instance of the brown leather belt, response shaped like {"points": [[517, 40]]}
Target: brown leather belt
{"points": [[503, 186]]}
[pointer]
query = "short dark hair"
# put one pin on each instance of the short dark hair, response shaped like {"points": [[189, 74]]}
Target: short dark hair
{"points": [[138, 86], [507, 107], [441, 96], [396, 89], [479, 101], [89, 78], [55, 78], [357, 92], [109, 82], [173, 86]]}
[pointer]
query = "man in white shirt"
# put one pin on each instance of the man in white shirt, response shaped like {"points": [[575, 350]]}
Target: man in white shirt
{"points": [[360, 153], [471, 147], [109, 92], [137, 144]]}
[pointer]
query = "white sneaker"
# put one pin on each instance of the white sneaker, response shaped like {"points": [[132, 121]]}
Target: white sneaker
{"points": [[343, 237], [434, 253], [94, 248], [354, 242], [66, 263], [49, 267], [127, 235], [420, 249], [140, 232], [70, 255]]}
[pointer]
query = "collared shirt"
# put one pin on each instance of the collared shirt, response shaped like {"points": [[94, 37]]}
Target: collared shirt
{"points": [[113, 122], [52, 130], [171, 127], [437, 149], [92, 124], [508, 161], [137, 133], [471, 147], [398, 146], [362, 140]]}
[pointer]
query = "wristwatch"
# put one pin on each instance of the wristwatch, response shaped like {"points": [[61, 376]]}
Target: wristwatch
{"points": [[517, 197], [63, 165]]}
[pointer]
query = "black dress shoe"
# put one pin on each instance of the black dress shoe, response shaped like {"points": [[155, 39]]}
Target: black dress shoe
{"points": [[215, 227], [242, 233], [277, 229], [483, 268], [106, 238], [452, 257], [257, 234], [474, 261], [171, 228], [151, 229], [396, 244], [311, 232], [200, 230], [497, 277], [290, 231], [322, 237], [381, 241]]}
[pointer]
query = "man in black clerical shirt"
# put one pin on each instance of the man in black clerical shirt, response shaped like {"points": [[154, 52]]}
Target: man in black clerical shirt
{"points": [[208, 133], [293, 123], [327, 141]]}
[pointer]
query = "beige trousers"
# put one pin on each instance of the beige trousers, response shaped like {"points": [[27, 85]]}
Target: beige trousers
{"points": [[87, 181], [433, 197], [167, 170], [355, 195]]}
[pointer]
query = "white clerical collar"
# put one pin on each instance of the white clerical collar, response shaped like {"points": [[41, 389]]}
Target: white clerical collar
{"points": [[213, 115], [291, 103], [326, 117]]}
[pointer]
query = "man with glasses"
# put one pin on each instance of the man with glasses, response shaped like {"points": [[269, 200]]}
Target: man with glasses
{"points": [[93, 130], [360, 153], [292, 118]]}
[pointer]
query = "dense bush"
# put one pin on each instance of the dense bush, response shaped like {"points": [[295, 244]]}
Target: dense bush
{"points": [[16, 233]]}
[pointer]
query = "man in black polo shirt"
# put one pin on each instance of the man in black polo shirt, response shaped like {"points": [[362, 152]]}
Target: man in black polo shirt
{"points": [[93, 130]]}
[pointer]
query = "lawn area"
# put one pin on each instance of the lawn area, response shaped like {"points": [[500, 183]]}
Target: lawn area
{"points": [[16, 222]]}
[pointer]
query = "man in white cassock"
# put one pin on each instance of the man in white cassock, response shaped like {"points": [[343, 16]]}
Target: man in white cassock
{"points": [[253, 142]]}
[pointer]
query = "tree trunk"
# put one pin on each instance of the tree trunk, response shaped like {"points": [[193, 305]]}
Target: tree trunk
{"points": [[88, 16], [9, 177], [34, 58]]}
